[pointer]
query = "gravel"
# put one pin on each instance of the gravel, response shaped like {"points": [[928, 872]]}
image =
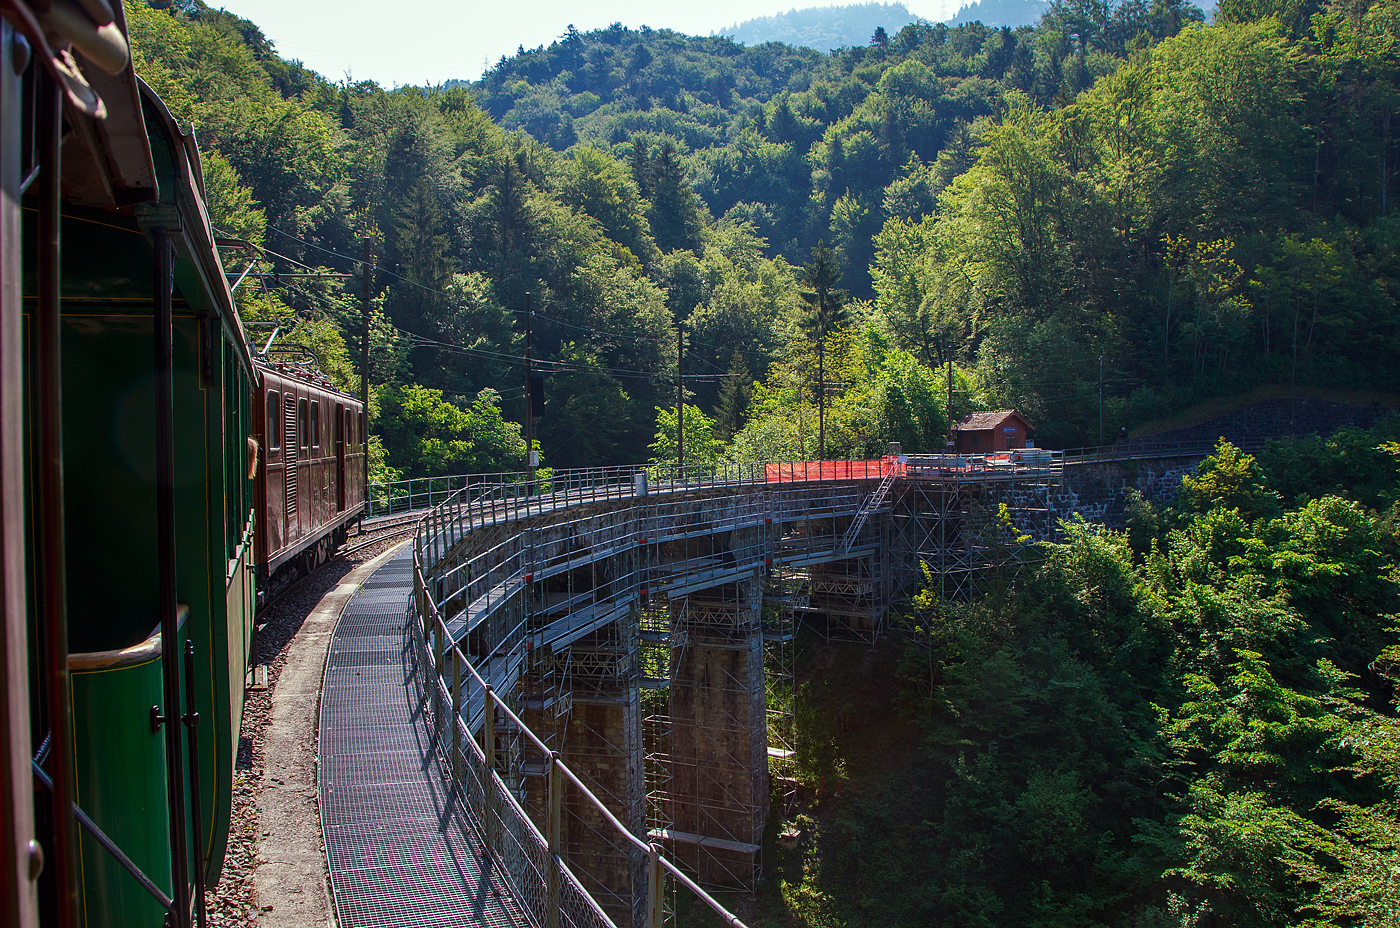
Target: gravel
{"points": [[233, 902]]}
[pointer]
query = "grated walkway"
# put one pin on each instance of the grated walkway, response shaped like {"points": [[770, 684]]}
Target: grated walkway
{"points": [[398, 847]]}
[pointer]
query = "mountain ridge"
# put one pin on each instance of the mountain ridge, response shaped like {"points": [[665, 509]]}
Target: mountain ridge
{"points": [[822, 28]]}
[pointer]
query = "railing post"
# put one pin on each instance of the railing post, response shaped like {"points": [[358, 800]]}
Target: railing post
{"points": [[427, 614], [456, 715], [554, 834], [655, 911], [430, 521], [488, 779], [440, 655], [418, 597], [436, 522]]}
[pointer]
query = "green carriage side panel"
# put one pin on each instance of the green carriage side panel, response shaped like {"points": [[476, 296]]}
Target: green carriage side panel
{"points": [[222, 659], [121, 784], [109, 434]]}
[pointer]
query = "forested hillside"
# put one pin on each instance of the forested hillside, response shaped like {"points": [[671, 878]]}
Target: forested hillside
{"points": [[1205, 208]]}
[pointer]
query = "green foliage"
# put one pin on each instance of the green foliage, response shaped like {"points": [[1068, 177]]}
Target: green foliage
{"points": [[826, 313], [1228, 479], [425, 434], [702, 446], [379, 469], [1196, 730], [1109, 227], [884, 395], [803, 144], [1204, 209], [1349, 463], [587, 411]]}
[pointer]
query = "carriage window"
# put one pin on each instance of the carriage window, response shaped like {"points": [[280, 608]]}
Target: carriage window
{"points": [[361, 433], [274, 419], [315, 423], [348, 429], [305, 420]]}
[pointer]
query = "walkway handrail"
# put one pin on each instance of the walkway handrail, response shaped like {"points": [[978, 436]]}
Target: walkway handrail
{"points": [[1139, 449], [639, 479], [434, 627], [429, 492]]}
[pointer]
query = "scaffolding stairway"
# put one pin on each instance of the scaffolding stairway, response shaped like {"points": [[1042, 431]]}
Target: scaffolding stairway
{"points": [[872, 503]]}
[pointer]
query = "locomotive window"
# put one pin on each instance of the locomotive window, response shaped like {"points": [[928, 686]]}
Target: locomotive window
{"points": [[305, 422], [315, 424], [274, 419]]}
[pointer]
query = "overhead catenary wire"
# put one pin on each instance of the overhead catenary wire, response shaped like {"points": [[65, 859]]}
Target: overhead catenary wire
{"points": [[765, 356], [424, 341], [546, 365], [556, 366]]}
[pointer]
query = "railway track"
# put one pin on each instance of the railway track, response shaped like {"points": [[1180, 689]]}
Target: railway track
{"points": [[379, 533], [384, 522]]}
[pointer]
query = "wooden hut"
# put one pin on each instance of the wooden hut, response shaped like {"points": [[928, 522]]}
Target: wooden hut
{"points": [[990, 432]]}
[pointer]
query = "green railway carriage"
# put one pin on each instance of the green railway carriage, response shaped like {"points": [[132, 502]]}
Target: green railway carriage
{"points": [[127, 490], [111, 512]]}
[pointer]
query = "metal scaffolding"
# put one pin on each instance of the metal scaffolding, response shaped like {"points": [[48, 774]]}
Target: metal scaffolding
{"points": [[785, 598], [717, 758], [849, 597], [603, 744], [651, 639], [966, 527]]}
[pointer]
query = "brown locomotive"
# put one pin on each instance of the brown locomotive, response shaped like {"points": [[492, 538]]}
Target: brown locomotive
{"points": [[311, 485]]}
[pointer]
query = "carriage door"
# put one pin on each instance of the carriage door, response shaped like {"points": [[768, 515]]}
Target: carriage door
{"points": [[339, 457]]}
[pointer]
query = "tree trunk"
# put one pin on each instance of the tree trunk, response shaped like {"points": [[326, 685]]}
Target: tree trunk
{"points": [[1385, 146], [821, 399], [1167, 328], [1313, 324]]}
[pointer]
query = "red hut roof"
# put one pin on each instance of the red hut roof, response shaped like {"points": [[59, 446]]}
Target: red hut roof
{"points": [[990, 419]]}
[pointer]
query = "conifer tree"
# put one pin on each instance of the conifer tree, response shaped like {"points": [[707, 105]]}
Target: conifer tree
{"points": [[826, 313], [675, 212]]}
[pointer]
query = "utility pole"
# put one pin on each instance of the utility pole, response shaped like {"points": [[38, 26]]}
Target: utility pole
{"points": [[948, 444], [366, 283], [366, 271], [680, 393], [1100, 401], [532, 457]]}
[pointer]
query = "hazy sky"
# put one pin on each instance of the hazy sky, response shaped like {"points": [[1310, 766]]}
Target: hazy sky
{"points": [[430, 41]]}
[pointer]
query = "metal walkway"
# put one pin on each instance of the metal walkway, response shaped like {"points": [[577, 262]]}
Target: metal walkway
{"points": [[398, 846]]}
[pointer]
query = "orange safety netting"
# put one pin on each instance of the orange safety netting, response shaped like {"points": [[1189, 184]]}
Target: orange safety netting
{"points": [[832, 470]]}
